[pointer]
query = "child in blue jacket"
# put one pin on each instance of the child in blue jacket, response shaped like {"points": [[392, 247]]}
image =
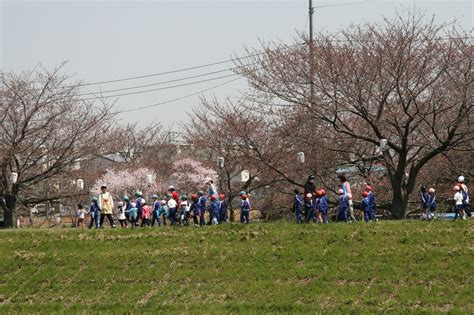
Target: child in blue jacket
{"points": [[156, 210], [323, 206], [373, 205], [195, 208], [244, 210], [297, 205], [309, 208], [222, 209], [164, 211], [202, 208], [133, 215], [343, 206], [95, 213], [366, 206], [214, 210], [431, 204]]}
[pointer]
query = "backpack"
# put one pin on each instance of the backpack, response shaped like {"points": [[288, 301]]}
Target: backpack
{"points": [[464, 197]]}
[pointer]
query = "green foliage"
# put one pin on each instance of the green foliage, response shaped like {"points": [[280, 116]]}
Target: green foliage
{"points": [[394, 267]]}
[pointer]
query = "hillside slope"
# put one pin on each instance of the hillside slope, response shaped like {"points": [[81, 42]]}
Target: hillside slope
{"points": [[275, 267]]}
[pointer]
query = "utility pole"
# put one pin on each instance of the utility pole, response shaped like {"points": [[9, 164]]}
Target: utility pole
{"points": [[311, 54]]}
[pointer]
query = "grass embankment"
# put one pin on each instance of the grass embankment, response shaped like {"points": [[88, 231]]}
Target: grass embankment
{"points": [[398, 267]]}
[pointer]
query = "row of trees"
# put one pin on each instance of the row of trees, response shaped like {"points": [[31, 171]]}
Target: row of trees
{"points": [[407, 82], [48, 132], [41, 136]]}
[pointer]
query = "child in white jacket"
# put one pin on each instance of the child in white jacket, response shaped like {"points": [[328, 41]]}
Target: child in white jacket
{"points": [[458, 203], [121, 214]]}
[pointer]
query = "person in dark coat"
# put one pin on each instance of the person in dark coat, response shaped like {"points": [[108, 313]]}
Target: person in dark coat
{"points": [[309, 187]]}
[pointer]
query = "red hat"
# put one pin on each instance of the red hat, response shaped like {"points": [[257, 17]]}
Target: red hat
{"points": [[322, 191], [221, 196], [244, 197], [368, 188], [213, 197], [194, 197], [318, 193], [365, 194]]}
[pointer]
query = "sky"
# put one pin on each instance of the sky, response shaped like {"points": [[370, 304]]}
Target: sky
{"points": [[110, 40]]}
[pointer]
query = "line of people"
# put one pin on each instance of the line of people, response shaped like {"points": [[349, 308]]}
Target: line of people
{"points": [[172, 209], [460, 198], [314, 207]]}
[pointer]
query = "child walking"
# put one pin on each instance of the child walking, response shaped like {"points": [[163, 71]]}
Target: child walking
{"points": [[202, 208], [424, 202], [465, 196], [244, 210], [458, 203], [127, 206], [343, 206], [297, 205], [95, 213], [309, 209], [184, 210], [222, 209], [373, 204], [195, 208], [214, 210], [164, 211], [172, 206], [323, 206], [146, 214], [139, 201], [431, 204], [366, 206], [133, 215], [156, 211], [121, 214], [81, 215]]}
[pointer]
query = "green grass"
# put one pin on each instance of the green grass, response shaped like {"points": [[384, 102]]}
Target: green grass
{"points": [[391, 267]]}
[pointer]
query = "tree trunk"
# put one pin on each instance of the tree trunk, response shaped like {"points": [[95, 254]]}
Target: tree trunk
{"points": [[10, 204], [398, 207], [399, 196], [231, 210]]}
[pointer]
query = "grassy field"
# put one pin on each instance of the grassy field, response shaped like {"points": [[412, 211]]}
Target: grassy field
{"points": [[394, 267]]}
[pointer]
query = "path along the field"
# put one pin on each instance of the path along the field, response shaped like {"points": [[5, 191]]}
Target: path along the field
{"points": [[397, 267]]}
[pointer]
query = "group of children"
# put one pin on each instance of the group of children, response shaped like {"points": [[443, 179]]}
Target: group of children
{"points": [[309, 207], [315, 207], [172, 209], [461, 201], [428, 203]]}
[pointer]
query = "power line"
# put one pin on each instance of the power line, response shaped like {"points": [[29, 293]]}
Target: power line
{"points": [[200, 75], [178, 98], [203, 65], [162, 73], [165, 82], [160, 89], [173, 71], [340, 4]]}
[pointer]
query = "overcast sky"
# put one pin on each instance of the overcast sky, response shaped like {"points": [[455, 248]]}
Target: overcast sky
{"points": [[107, 40]]}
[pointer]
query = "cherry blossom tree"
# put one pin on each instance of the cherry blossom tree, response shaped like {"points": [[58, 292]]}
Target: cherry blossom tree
{"points": [[189, 175], [408, 81], [45, 129], [128, 181]]}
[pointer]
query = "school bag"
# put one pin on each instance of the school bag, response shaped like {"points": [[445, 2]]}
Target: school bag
{"points": [[464, 197]]}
